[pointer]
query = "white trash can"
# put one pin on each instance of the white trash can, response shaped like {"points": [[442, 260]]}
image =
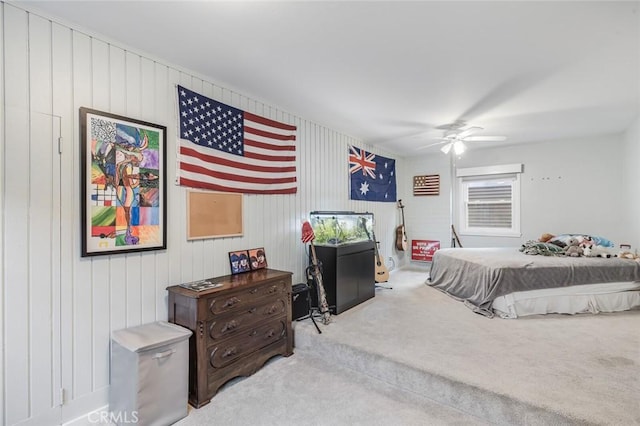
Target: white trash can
{"points": [[149, 374]]}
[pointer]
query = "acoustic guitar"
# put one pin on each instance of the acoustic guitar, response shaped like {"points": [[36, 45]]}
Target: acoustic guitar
{"points": [[401, 235], [382, 272]]}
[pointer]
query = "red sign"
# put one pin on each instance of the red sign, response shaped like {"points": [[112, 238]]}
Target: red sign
{"points": [[423, 250]]}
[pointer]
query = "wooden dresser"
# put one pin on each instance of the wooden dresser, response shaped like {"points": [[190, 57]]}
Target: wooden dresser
{"points": [[236, 327]]}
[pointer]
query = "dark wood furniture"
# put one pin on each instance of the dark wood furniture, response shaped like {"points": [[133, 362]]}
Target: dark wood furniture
{"points": [[236, 327], [348, 272]]}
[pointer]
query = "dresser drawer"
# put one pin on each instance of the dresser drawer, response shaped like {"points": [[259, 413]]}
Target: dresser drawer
{"points": [[223, 303], [230, 324], [246, 342]]}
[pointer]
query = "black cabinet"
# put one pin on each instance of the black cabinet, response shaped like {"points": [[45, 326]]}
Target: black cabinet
{"points": [[348, 273]]}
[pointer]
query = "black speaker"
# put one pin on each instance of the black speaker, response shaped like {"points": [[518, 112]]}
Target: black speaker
{"points": [[299, 301]]}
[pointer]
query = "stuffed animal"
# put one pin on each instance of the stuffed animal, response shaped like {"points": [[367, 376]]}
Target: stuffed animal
{"points": [[573, 248], [586, 242], [545, 237], [624, 254], [598, 251]]}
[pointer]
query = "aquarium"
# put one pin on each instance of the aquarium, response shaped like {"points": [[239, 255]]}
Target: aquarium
{"points": [[336, 228]]}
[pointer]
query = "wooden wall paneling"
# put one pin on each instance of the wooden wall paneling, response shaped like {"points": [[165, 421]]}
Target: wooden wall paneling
{"points": [[295, 203], [17, 277], [305, 187], [100, 75], [99, 286], [148, 95], [292, 213], [117, 80], [2, 226], [164, 89], [62, 105], [43, 231], [330, 156], [16, 212], [82, 278]]}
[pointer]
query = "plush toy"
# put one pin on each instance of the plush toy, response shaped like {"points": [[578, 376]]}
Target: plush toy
{"points": [[598, 251], [545, 237], [587, 242], [624, 254], [573, 248]]}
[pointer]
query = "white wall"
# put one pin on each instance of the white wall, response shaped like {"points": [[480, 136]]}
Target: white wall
{"points": [[629, 188], [568, 186], [59, 309]]}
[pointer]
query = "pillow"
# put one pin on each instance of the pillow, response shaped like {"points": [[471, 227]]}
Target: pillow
{"points": [[600, 241], [562, 240]]}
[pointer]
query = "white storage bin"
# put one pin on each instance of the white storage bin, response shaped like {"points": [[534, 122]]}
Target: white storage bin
{"points": [[149, 374]]}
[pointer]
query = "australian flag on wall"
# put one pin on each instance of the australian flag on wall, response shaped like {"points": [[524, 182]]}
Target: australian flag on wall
{"points": [[373, 177]]}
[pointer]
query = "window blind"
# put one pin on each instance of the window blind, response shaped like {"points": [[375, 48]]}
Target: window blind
{"points": [[489, 205]]}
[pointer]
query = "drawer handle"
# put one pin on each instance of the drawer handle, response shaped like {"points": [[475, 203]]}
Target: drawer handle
{"points": [[270, 334], [229, 352], [164, 354], [231, 302], [253, 291], [273, 289], [229, 326], [252, 310], [253, 333], [272, 309]]}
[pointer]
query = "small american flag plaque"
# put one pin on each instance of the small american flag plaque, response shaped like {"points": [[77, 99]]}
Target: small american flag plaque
{"points": [[426, 185]]}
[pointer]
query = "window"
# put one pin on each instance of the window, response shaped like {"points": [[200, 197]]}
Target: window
{"points": [[489, 201]]}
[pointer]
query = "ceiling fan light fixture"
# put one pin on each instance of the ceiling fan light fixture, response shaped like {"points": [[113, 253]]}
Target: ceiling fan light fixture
{"points": [[459, 147], [446, 148]]}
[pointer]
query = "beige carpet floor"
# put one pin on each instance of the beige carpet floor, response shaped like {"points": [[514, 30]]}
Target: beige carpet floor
{"points": [[412, 355]]}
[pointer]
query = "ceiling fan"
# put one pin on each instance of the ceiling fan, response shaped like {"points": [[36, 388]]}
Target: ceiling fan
{"points": [[456, 134]]}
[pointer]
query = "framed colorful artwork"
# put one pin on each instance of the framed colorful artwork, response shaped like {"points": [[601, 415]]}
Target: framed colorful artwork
{"points": [[257, 258], [123, 184], [239, 261]]}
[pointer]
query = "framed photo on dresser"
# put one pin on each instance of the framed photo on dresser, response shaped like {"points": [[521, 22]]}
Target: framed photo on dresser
{"points": [[239, 261], [257, 258]]}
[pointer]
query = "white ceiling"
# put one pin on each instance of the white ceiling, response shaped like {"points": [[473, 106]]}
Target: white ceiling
{"points": [[393, 73]]}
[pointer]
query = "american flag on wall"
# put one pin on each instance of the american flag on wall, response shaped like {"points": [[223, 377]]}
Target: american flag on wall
{"points": [[225, 149], [426, 185]]}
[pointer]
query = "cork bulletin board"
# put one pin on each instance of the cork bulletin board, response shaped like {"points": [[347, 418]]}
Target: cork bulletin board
{"points": [[213, 215]]}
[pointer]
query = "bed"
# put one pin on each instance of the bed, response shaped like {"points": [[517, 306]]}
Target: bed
{"points": [[508, 283]]}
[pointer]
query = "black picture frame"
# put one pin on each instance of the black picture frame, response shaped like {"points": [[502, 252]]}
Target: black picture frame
{"points": [[123, 184], [239, 261]]}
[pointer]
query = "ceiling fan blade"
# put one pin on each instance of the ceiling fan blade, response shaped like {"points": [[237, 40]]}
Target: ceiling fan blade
{"points": [[468, 131], [485, 138], [433, 144]]}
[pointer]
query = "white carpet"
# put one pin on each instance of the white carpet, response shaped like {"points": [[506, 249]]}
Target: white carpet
{"points": [[412, 355]]}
